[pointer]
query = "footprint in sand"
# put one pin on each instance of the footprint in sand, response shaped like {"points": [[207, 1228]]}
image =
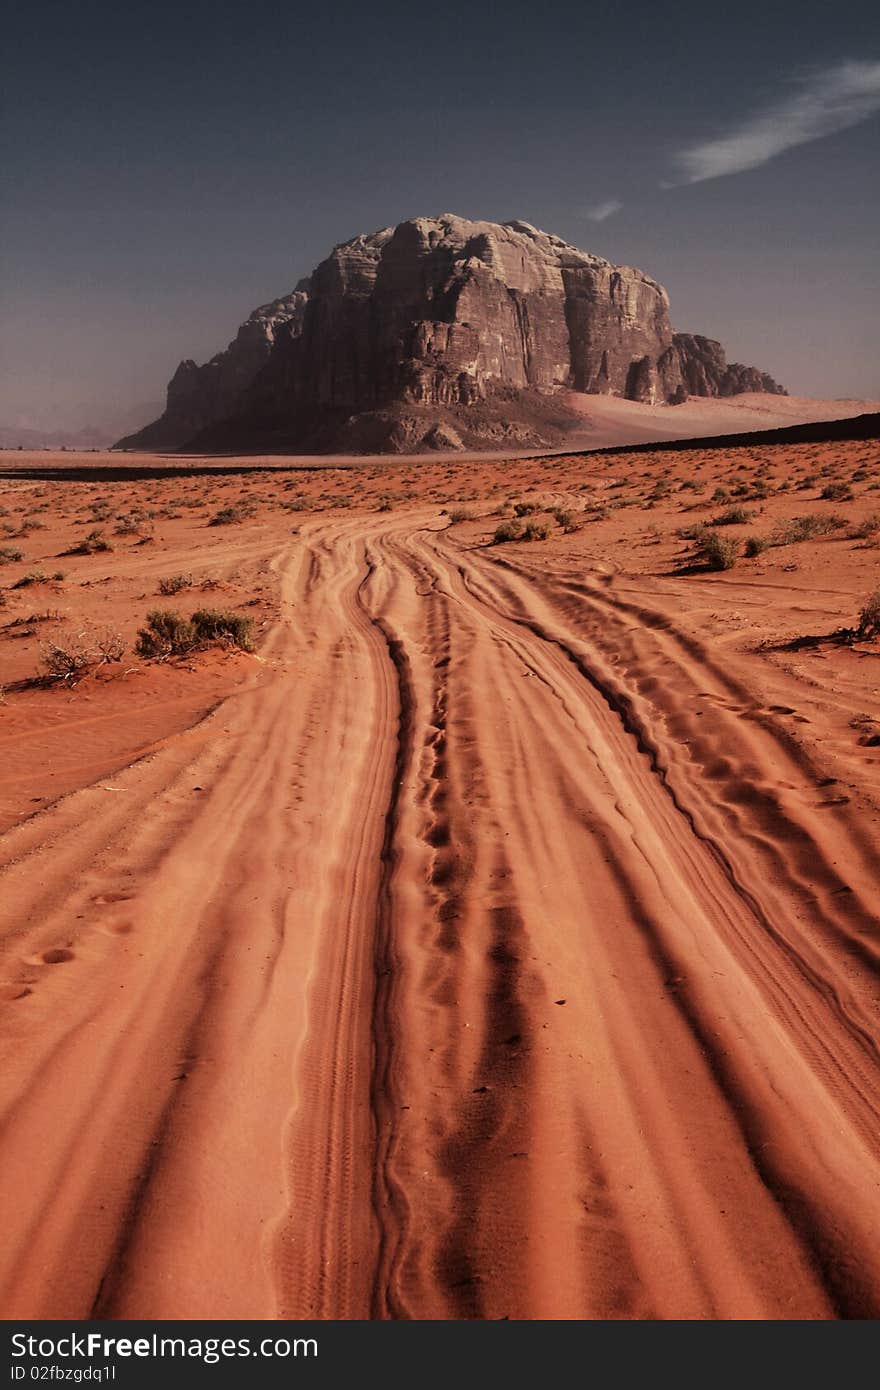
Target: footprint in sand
{"points": [[56, 955]]}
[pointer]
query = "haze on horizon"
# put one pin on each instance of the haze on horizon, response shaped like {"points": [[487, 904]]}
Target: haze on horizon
{"points": [[168, 168]]}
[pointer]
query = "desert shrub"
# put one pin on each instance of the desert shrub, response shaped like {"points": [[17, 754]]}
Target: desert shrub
{"points": [[565, 518], [869, 618], [457, 515], [8, 556], [385, 505], [34, 577], [170, 634], [219, 625], [720, 494], [166, 634], [694, 532], [65, 658], [716, 552], [91, 544], [807, 528], [535, 531], [523, 508], [69, 656], [733, 516], [836, 492], [508, 531], [756, 545], [173, 583], [228, 516], [132, 525], [109, 644], [865, 530]]}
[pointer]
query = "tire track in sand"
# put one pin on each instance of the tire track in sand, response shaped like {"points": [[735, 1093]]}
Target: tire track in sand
{"points": [[450, 994]]}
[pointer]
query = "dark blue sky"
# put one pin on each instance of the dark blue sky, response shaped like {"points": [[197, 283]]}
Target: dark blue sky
{"points": [[166, 168]]}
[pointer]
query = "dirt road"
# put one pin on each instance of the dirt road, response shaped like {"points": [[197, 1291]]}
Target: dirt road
{"points": [[492, 954]]}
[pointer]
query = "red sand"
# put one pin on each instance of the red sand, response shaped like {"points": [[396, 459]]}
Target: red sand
{"points": [[504, 942]]}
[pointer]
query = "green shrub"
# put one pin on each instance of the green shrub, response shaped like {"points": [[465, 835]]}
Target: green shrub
{"points": [[213, 625], [170, 634], [166, 634]]}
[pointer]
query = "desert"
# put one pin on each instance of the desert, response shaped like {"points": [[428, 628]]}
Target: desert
{"points": [[474, 915], [439, 676]]}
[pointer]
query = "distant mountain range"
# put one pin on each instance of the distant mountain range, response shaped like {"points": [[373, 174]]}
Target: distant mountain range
{"points": [[97, 436]]}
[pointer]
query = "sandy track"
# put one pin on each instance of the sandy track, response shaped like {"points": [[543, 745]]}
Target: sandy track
{"points": [[493, 954]]}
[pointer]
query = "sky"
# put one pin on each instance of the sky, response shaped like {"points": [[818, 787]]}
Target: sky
{"points": [[165, 168]]}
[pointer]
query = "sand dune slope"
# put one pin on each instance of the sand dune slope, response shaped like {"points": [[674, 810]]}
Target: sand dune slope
{"points": [[491, 955]]}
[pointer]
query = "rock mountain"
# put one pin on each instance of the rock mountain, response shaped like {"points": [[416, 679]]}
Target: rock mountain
{"points": [[441, 333]]}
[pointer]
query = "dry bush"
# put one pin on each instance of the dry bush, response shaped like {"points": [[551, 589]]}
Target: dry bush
{"points": [[865, 530], [238, 511], [716, 552], [69, 656], [507, 531], [733, 516], [174, 583], [807, 528], [837, 492], [33, 577], [869, 618], [92, 544], [756, 545], [565, 518]]}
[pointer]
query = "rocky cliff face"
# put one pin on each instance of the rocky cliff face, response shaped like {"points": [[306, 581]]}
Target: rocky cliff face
{"points": [[439, 331], [705, 370]]}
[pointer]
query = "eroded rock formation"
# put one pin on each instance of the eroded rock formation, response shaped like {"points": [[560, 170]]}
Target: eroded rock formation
{"points": [[435, 331]]}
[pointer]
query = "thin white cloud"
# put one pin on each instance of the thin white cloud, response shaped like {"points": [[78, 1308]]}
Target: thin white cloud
{"points": [[600, 211], [825, 102]]}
